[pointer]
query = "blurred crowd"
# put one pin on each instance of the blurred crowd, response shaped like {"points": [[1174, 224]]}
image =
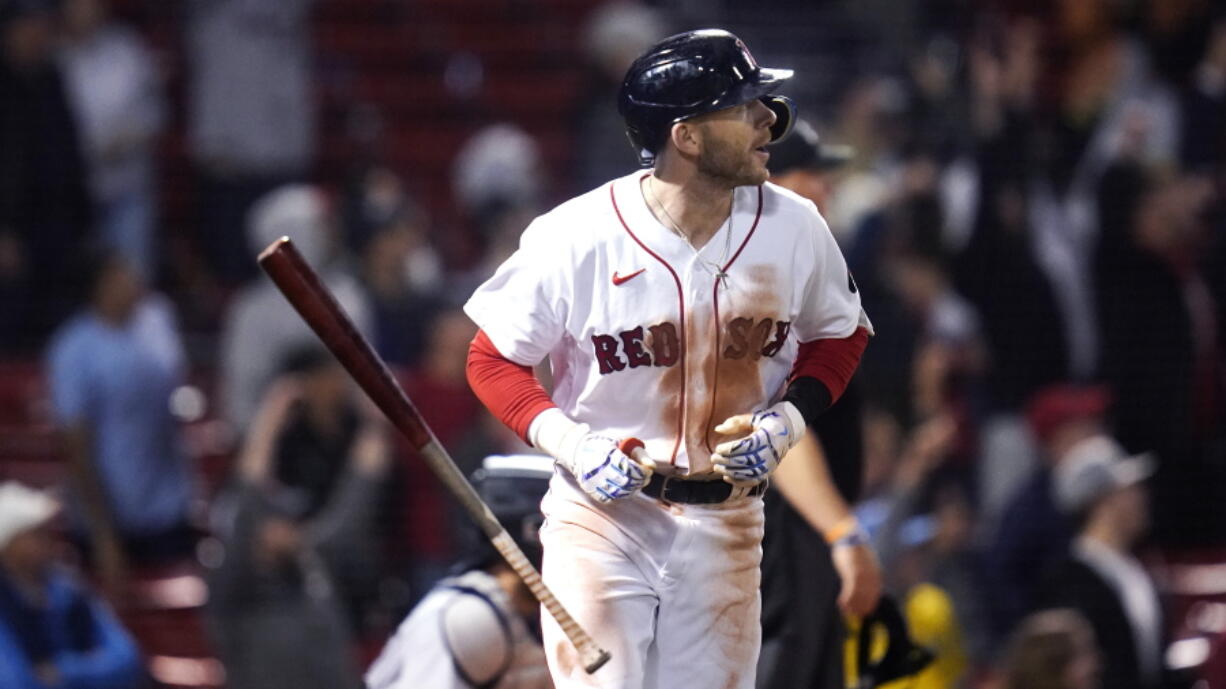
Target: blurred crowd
{"points": [[1031, 197]]}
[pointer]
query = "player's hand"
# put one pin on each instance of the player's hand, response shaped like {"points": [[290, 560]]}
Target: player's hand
{"points": [[860, 573], [770, 433], [598, 463], [604, 471]]}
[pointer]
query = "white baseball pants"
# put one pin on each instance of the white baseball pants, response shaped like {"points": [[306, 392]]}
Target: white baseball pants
{"points": [[670, 590]]}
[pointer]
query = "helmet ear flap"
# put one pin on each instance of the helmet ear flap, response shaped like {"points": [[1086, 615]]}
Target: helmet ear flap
{"points": [[785, 115], [639, 144]]}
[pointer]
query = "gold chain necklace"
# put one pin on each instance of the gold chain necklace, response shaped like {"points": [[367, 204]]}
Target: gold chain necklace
{"points": [[717, 269]]}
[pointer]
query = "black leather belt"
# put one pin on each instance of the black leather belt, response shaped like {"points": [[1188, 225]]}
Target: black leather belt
{"points": [[673, 489]]}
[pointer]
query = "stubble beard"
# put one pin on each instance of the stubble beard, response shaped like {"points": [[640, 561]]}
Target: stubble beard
{"points": [[729, 167]]}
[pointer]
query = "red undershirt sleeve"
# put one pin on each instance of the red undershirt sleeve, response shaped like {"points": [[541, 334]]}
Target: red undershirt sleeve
{"points": [[509, 390], [831, 361]]}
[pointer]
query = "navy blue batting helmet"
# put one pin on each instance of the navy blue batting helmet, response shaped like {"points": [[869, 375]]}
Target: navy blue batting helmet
{"points": [[691, 74]]}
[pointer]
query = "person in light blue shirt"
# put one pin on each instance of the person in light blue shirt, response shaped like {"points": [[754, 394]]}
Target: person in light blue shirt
{"points": [[112, 369]]}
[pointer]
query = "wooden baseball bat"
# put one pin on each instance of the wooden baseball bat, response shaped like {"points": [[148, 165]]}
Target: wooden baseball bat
{"points": [[315, 303]]}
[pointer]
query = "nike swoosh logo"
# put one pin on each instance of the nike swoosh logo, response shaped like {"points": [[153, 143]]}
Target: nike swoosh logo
{"points": [[619, 279]]}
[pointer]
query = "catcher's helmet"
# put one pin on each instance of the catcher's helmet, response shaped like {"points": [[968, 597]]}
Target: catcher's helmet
{"points": [[691, 74], [512, 486]]}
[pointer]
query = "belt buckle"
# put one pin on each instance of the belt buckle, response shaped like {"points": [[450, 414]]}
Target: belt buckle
{"points": [[739, 492], [751, 490], [664, 489]]}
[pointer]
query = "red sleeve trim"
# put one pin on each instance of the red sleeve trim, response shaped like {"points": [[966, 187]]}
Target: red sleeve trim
{"points": [[831, 361], [509, 390]]}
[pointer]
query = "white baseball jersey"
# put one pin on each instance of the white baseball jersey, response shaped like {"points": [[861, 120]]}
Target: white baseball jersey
{"points": [[649, 338], [462, 635], [644, 335]]}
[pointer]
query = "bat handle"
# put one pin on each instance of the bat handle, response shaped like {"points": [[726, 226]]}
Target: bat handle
{"points": [[590, 655], [635, 449]]}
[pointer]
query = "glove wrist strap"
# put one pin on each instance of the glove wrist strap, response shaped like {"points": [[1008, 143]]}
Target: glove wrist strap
{"points": [[555, 433], [795, 419]]}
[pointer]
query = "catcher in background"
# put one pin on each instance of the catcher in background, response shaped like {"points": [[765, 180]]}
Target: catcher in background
{"points": [[481, 628]]}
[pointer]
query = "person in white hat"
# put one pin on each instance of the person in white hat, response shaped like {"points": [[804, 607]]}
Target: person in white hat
{"points": [[53, 632], [1103, 489]]}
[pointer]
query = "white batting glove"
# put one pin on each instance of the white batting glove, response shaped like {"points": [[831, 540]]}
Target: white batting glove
{"points": [[597, 463], [771, 433]]}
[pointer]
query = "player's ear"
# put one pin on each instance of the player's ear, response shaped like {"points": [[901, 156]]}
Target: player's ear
{"points": [[687, 137]]}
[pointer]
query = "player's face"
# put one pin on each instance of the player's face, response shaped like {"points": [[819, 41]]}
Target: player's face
{"points": [[734, 144]]}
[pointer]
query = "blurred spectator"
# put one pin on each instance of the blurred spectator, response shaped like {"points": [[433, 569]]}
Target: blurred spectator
{"points": [[997, 269], [931, 610], [957, 567], [500, 166], [440, 388], [868, 120], [401, 270], [53, 632], [478, 628], [399, 312], [615, 33], [314, 458], [260, 330], [250, 130], [275, 591], [1033, 534], [949, 354], [452, 408], [1203, 139], [112, 369], [1163, 354], [1053, 649], [44, 202], [1102, 488], [376, 200], [116, 95], [1110, 105], [1103, 102], [919, 516], [498, 178], [897, 468], [937, 109], [930, 354]]}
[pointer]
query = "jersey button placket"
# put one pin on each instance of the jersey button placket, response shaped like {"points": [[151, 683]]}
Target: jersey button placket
{"points": [[698, 316]]}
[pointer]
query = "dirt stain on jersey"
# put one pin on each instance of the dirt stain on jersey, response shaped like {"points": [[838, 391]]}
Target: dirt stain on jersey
{"points": [[668, 389], [717, 386], [733, 369]]}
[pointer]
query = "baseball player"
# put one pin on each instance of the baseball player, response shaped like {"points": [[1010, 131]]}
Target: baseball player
{"points": [[699, 309], [479, 630]]}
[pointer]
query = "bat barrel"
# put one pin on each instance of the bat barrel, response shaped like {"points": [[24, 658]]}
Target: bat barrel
{"points": [[315, 303]]}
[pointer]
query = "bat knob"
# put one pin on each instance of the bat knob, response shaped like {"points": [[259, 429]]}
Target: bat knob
{"points": [[634, 449], [629, 445], [592, 663]]}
